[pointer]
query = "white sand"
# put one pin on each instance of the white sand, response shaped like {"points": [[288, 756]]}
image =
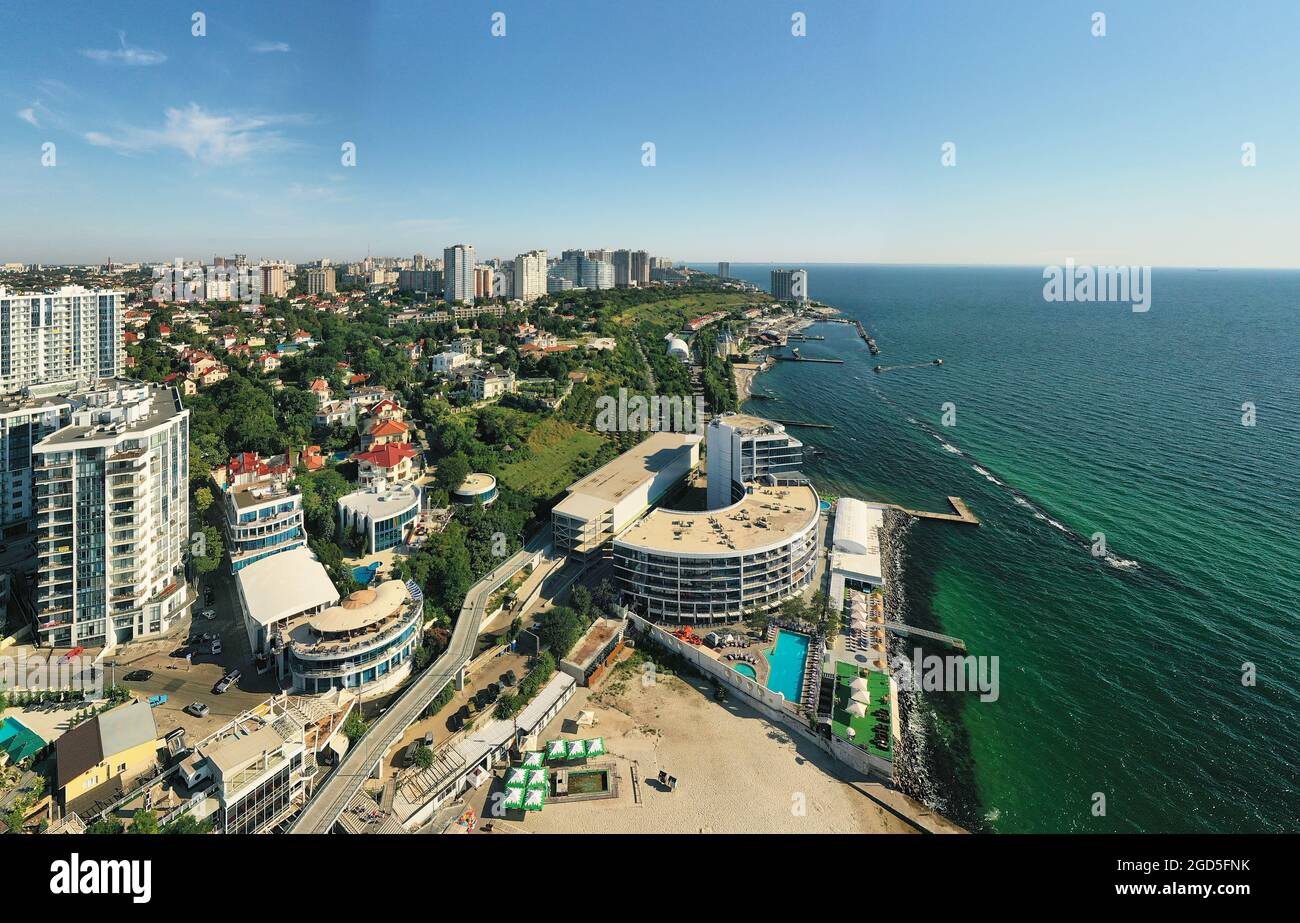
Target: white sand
{"points": [[736, 771]]}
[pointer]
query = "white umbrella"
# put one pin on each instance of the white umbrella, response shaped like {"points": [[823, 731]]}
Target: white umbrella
{"points": [[857, 708], [860, 684], [852, 733], [862, 696]]}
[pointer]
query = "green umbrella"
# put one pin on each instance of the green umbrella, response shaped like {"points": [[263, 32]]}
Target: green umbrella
{"points": [[596, 746], [517, 777], [556, 749], [514, 798], [534, 799], [577, 749], [534, 759], [537, 778]]}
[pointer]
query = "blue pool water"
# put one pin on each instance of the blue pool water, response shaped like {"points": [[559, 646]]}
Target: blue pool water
{"points": [[787, 660], [825, 505], [363, 575], [745, 669]]}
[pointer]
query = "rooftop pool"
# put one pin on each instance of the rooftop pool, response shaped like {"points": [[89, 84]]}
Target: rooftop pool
{"points": [[364, 575], [745, 670], [787, 660]]}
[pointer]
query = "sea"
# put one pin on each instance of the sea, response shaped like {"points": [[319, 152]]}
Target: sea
{"points": [[1136, 572]]}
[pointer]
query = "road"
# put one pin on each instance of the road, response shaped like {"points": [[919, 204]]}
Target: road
{"points": [[361, 761]]}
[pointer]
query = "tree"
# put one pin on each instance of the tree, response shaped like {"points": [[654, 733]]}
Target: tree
{"points": [[210, 559], [187, 824], [144, 822], [202, 500], [424, 758], [355, 727], [581, 600]]}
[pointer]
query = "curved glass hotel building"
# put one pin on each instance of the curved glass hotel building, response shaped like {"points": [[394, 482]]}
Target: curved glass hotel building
{"points": [[721, 564], [365, 643]]}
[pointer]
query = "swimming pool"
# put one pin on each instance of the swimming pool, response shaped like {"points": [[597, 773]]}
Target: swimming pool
{"points": [[745, 669], [787, 660], [363, 575]]}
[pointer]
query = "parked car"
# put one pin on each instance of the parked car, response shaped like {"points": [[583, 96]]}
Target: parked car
{"points": [[408, 757], [455, 722], [511, 679], [156, 700], [226, 682], [209, 595], [197, 709], [428, 740], [181, 652], [216, 648], [139, 676], [507, 679], [209, 614], [494, 690]]}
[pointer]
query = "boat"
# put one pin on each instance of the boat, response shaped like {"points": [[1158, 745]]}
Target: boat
{"points": [[795, 351], [879, 368], [938, 362]]}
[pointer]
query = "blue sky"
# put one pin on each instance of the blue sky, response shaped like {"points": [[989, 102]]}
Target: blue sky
{"points": [[769, 147]]}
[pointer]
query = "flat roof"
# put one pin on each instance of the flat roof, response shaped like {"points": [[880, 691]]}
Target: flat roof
{"points": [[616, 479], [161, 403], [746, 423], [285, 584], [378, 504], [764, 516], [590, 644], [476, 483]]}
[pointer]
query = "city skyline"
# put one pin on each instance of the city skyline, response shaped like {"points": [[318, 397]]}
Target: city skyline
{"points": [[768, 147]]}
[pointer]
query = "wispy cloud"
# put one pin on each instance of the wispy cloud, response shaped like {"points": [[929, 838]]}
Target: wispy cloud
{"points": [[28, 115], [269, 47], [208, 137], [127, 54]]}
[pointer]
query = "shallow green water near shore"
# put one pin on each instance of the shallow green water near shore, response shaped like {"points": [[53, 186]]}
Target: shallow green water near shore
{"points": [[1121, 674]]}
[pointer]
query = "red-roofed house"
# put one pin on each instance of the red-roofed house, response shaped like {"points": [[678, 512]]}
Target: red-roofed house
{"points": [[394, 461]]}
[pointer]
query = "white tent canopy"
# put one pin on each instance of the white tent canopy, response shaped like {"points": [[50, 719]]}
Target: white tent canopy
{"points": [[857, 708]]}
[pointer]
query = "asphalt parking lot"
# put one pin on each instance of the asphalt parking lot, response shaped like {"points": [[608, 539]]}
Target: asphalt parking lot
{"points": [[185, 683]]}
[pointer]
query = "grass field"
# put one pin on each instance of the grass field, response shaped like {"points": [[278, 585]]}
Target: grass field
{"points": [[684, 307], [556, 450]]}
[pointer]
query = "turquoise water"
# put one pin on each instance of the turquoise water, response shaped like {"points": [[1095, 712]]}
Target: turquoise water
{"points": [[787, 661], [1119, 674], [745, 669], [363, 575]]}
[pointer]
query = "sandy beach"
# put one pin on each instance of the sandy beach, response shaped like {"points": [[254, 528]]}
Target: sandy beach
{"points": [[736, 771]]}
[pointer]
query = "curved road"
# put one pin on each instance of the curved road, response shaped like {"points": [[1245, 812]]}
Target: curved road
{"points": [[333, 795]]}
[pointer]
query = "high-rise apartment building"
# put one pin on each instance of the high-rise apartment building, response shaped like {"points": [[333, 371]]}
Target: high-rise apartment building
{"points": [[483, 277], [275, 282], [111, 498], [320, 281], [71, 335], [25, 419], [622, 262], [530, 275], [724, 270], [790, 285], [458, 273], [640, 268]]}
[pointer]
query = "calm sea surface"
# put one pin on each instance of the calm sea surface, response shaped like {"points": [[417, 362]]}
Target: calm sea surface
{"points": [[1122, 674]]}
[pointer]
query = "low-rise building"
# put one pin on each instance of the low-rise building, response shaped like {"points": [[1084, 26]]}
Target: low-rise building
{"points": [[488, 384], [381, 513], [99, 758]]}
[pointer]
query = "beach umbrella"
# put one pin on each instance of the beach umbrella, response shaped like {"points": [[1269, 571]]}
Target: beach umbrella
{"points": [[514, 798], [860, 684], [852, 733], [537, 778], [577, 749], [534, 759], [534, 799], [596, 746], [863, 696], [857, 708], [517, 777], [556, 749]]}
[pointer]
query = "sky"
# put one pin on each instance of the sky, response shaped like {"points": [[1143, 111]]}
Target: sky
{"points": [[768, 146]]}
